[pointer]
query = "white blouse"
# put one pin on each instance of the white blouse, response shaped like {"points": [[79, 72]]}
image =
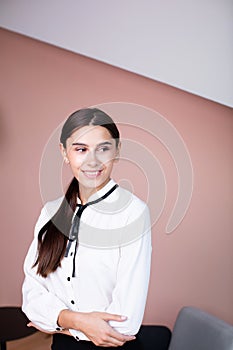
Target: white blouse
{"points": [[112, 265]]}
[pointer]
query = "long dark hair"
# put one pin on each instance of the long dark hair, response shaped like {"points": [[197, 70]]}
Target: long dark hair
{"points": [[53, 236]]}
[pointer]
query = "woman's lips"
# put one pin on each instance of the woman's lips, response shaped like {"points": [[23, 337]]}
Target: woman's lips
{"points": [[92, 174]]}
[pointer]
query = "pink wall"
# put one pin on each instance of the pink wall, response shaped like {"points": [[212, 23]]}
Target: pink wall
{"points": [[40, 86]]}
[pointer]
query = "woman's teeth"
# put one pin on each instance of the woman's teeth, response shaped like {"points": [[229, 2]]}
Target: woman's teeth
{"points": [[92, 173]]}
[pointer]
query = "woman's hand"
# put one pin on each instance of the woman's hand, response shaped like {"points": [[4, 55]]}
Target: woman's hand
{"points": [[95, 326]]}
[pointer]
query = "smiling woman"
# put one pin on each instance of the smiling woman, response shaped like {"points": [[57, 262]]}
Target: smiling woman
{"points": [[87, 270], [91, 152]]}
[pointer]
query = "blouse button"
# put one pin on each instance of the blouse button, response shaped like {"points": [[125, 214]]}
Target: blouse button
{"points": [[68, 278], [77, 338], [58, 329], [72, 302]]}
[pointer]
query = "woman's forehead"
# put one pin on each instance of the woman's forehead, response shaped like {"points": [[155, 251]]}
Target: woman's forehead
{"points": [[91, 134]]}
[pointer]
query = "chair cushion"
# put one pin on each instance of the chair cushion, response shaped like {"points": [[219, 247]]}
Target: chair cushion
{"points": [[197, 330]]}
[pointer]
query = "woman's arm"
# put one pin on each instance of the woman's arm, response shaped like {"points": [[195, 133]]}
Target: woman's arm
{"points": [[40, 305], [50, 314], [96, 326], [130, 293]]}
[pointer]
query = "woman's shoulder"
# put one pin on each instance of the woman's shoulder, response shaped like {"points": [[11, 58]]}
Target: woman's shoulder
{"points": [[133, 201], [47, 212], [136, 212], [52, 206]]}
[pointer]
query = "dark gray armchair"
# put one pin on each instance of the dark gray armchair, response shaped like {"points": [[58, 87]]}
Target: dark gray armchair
{"points": [[198, 330]]}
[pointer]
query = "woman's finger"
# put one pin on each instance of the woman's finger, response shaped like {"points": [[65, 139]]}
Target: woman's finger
{"points": [[113, 317]]}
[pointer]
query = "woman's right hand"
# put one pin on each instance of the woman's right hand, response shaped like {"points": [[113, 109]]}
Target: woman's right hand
{"points": [[95, 326]]}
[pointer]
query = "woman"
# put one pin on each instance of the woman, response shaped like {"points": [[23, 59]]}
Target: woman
{"points": [[87, 270]]}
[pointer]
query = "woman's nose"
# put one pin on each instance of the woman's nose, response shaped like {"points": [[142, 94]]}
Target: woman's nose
{"points": [[92, 159]]}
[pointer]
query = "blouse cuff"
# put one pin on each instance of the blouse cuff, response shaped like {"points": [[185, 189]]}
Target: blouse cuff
{"points": [[78, 335]]}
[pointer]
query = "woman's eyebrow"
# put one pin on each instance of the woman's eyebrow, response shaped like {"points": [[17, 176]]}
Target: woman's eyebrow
{"points": [[85, 145], [78, 144], [104, 143]]}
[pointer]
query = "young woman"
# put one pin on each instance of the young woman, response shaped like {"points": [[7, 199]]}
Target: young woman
{"points": [[87, 270]]}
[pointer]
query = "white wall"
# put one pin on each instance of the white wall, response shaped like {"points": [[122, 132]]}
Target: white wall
{"points": [[184, 43]]}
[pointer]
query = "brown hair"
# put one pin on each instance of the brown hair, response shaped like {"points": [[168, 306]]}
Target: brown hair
{"points": [[53, 236]]}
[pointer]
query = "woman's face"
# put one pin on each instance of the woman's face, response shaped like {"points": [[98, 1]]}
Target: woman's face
{"points": [[91, 152]]}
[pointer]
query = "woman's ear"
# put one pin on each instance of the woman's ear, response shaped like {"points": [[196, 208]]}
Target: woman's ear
{"points": [[118, 152], [64, 154]]}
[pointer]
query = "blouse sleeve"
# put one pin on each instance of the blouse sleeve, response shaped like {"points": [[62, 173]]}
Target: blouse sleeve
{"points": [[130, 293], [41, 306]]}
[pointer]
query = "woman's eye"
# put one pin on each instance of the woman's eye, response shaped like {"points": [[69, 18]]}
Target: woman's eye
{"points": [[80, 149], [103, 149]]}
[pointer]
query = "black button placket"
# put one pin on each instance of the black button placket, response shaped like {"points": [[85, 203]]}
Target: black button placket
{"points": [[76, 223], [75, 229]]}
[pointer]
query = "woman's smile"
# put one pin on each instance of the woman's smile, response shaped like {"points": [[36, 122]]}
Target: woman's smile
{"points": [[92, 174]]}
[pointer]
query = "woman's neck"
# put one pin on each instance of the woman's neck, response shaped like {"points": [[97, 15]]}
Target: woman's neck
{"points": [[86, 192]]}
